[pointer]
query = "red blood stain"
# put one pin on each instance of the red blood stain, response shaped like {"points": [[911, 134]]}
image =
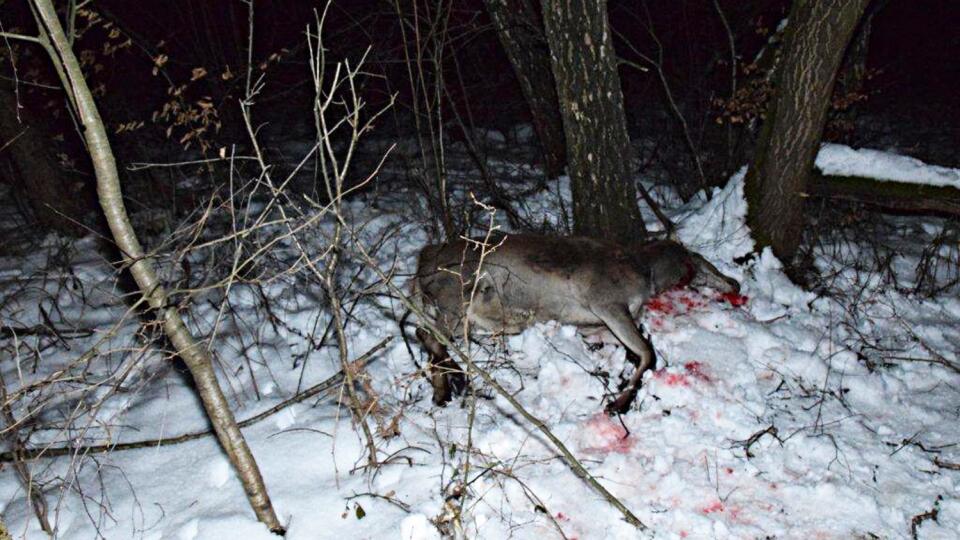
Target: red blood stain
{"points": [[608, 435], [692, 369], [671, 379], [691, 302], [680, 301], [695, 369], [735, 300], [735, 512], [713, 508], [718, 507], [729, 470], [683, 534], [562, 517], [661, 304]]}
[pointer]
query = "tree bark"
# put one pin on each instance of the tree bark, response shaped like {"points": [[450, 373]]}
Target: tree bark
{"points": [[111, 200], [594, 124], [58, 202], [816, 37], [522, 38]]}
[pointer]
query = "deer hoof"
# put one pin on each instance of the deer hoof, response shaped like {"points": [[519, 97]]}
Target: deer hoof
{"points": [[622, 404], [458, 382]]}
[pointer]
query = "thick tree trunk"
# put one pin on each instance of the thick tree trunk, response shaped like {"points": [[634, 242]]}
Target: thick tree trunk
{"points": [[817, 35], [111, 199], [521, 36], [58, 202], [594, 124]]}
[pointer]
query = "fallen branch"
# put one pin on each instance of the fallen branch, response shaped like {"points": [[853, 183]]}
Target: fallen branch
{"points": [[328, 384], [43, 330], [937, 359], [918, 519], [946, 464], [750, 441], [887, 195]]}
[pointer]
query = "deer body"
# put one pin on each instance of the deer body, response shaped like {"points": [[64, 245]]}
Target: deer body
{"points": [[534, 278]]}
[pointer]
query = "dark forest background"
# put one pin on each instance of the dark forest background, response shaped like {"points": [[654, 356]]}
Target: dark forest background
{"points": [[169, 75]]}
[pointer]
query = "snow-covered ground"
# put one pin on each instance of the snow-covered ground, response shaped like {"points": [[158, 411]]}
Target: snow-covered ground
{"points": [[772, 418]]}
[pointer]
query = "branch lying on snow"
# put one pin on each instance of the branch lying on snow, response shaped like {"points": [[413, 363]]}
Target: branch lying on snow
{"points": [[885, 180], [328, 384], [918, 519], [840, 160], [7, 332], [935, 357], [895, 196], [946, 464], [750, 441]]}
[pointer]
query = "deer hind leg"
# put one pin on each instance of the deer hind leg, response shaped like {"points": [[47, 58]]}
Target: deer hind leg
{"points": [[630, 387], [445, 375], [639, 352]]}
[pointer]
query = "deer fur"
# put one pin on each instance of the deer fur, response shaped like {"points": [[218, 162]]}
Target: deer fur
{"points": [[530, 278]]}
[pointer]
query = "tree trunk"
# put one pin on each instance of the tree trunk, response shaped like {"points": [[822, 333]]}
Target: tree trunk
{"points": [[521, 36], [591, 105], [111, 199], [58, 202], [817, 35]]}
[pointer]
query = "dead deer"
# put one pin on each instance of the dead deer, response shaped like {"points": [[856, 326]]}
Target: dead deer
{"points": [[532, 278]]}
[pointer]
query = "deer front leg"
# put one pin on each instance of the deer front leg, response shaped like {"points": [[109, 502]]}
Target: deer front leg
{"points": [[618, 319], [445, 375]]}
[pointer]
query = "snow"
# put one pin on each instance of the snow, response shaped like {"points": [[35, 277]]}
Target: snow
{"points": [[848, 450], [840, 160]]}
